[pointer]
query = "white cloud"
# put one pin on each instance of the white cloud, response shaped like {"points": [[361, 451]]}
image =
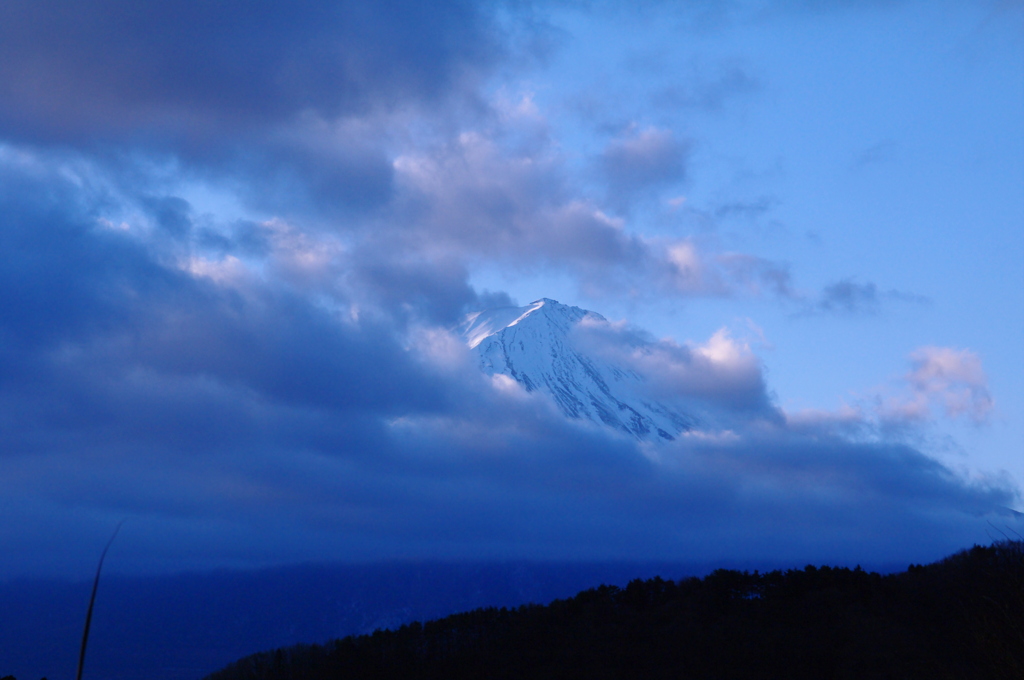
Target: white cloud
{"points": [[226, 271], [689, 270], [720, 378]]}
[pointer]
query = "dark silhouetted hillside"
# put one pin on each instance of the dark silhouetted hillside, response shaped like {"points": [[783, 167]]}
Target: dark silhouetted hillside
{"points": [[962, 617]]}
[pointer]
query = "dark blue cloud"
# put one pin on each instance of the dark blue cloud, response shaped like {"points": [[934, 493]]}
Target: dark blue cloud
{"points": [[250, 92], [75, 287], [113, 68], [437, 292], [62, 274]]}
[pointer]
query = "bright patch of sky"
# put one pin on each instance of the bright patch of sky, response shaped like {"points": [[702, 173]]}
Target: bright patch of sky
{"points": [[876, 149]]}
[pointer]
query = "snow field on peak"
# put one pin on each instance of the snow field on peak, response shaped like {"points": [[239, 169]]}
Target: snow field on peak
{"points": [[537, 346]]}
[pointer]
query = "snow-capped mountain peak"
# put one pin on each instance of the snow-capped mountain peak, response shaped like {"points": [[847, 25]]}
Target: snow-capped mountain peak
{"points": [[536, 345], [479, 326]]}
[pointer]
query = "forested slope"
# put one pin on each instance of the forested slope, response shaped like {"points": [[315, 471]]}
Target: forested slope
{"points": [[962, 617]]}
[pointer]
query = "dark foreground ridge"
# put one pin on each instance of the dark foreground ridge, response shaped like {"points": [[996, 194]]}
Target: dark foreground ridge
{"points": [[962, 617]]}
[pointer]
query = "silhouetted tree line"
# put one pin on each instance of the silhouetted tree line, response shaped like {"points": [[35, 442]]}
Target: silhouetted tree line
{"points": [[962, 617]]}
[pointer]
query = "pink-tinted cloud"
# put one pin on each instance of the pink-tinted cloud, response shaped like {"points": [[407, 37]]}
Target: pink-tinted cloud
{"points": [[943, 380]]}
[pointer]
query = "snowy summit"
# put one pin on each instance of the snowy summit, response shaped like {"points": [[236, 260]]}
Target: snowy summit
{"points": [[536, 346]]}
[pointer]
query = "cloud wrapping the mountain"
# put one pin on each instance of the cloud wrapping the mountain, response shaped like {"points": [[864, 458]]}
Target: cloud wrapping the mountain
{"points": [[365, 121], [243, 416], [311, 123], [721, 377], [251, 390]]}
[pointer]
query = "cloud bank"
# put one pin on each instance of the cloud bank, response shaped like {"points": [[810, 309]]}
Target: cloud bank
{"points": [[250, 390]]}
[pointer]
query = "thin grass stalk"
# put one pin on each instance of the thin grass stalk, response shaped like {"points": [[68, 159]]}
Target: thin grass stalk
{"points": [[92, 601]]}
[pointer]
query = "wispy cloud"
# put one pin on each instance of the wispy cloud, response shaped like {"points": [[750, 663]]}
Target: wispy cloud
{"points": [[642, 159], [942, 383], [851, 297]]}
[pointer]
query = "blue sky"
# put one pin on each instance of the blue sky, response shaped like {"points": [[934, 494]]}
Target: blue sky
{"points": [[236, 238]]}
